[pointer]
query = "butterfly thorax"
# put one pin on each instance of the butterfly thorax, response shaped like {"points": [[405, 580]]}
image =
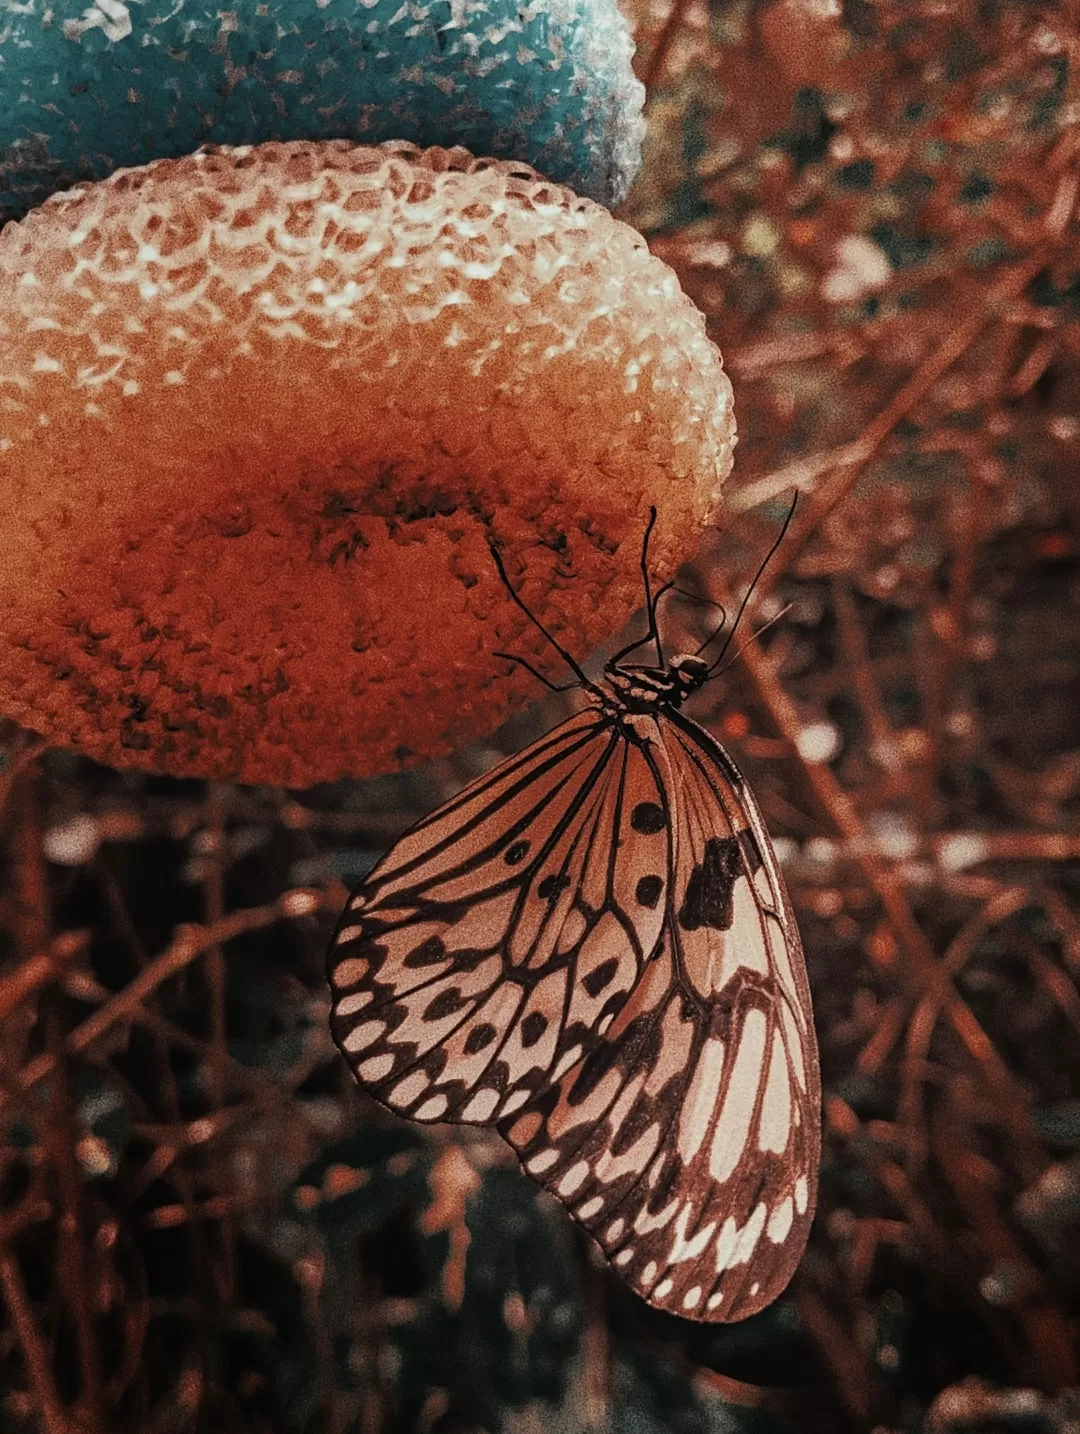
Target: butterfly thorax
{"points": [[643, 690]]}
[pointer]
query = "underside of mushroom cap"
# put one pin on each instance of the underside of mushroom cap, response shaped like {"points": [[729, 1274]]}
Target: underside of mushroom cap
{"points": [[263, 409]]}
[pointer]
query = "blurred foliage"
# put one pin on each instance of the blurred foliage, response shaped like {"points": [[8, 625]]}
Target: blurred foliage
{"points": [[205, 1226]]}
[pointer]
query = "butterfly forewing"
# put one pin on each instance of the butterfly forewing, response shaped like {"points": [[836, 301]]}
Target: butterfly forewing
{"points": [[592, 948], [499, 939]]}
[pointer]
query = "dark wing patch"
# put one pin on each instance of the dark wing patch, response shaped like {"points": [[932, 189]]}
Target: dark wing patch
{"points": [[707, 901]]}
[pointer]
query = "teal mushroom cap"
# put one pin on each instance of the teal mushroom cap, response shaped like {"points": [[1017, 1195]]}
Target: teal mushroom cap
{"points": [[86, 89]]}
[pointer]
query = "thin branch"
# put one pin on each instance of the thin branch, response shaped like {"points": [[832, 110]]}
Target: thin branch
{"points": [[31, 1344], [921, 969], [984, 306], [36, 971], [187, 947]]}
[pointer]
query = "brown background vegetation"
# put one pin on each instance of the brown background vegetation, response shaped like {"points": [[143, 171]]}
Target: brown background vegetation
{"points": [[203, 1225]]}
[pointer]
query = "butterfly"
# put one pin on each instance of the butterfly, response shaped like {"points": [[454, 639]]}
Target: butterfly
{"points": [[591, 948]]}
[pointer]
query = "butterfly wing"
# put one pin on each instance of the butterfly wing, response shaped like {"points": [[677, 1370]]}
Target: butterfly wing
{"points": [[496, 942], [687, 1141]]}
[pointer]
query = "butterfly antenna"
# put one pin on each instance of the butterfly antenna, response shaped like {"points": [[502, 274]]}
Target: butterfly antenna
{"points": [[766, 560], [749, 642], [521, 662], [650, 601], [660, 592], [704, 602], [566, 657]]}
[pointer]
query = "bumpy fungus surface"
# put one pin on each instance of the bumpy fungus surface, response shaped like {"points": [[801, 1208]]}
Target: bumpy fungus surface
{"points": [[261, 411], [86, 89]]}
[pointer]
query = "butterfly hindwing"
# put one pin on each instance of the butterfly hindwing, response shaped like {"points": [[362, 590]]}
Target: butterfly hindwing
{"points": [[753, 1156], [687, 1142], [499, 938]]}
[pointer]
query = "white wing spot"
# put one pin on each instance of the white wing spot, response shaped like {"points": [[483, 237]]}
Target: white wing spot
{"points": [[573, 1178], [780, 1221], [365, 1035], [610, 1167], [615, 1229], [776, 1106], [349, 1005], [377, 1068], [481, 1105], [407, 1090], [431, 1109], [747, 951], [802, 1194], [684, 1249], [700, 1105], [778, 948], [357, 903], [763, 886], [714, 1300], [692, 1298], [648, 1272], [663, 1289], [754, 1288], [572, 1056], [794, 1042], [646, 1222], [733, 1125], [726, 1242], [676, 1033], [751, 1233], [347, 934], [591, 1207], [624, 1256], [621, 1108], [544, 1161], [515, 1102]]}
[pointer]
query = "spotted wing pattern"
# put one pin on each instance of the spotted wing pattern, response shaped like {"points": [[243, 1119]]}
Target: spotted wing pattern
{"points": [[592, 948], [500, 938], [687, 1140]]}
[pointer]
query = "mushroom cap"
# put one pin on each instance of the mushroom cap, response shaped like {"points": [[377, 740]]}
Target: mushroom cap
{"points": [[103, 86], [263, 409]]}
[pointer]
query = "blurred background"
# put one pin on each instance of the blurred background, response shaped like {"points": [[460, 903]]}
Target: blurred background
{"points": [[204, 1225]]}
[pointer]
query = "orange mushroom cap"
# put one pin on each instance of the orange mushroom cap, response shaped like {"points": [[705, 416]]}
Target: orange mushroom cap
{"points": [[263, 409]]}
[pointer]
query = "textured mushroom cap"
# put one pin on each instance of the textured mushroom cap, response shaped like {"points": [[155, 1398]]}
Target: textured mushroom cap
{"points": [[92, 88], [262, 410]]}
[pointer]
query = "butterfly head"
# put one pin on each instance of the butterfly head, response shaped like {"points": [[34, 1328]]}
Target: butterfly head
{"points": [[644, 689], [689, 672]]}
